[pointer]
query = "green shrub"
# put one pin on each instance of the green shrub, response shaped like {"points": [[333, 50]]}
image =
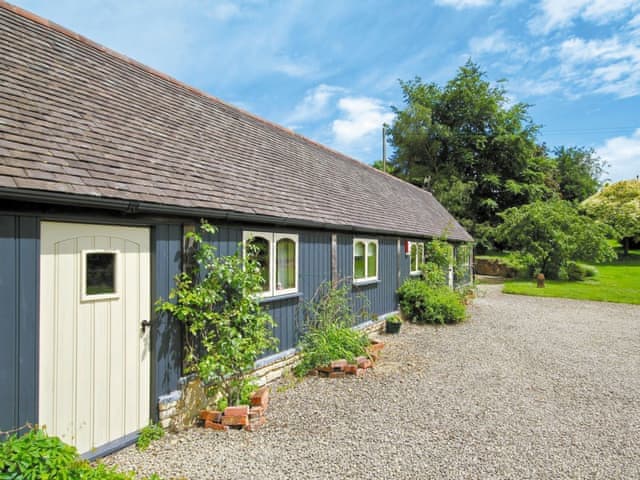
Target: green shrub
{"points": [[332, 342], [433, 274], [575, 272], [422, 303], [393, 319], [329, 317], [37, 456], [147, 435]]}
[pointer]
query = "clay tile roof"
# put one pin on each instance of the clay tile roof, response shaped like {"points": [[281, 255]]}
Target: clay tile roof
{"points": [[79, 119]]}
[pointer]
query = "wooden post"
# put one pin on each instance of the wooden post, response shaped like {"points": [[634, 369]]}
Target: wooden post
{"points": [[540, 280]]}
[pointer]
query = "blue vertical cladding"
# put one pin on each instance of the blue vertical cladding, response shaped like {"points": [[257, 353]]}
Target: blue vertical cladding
{"points": [[166, 338], [19, 286], [380, 296], [314, 257]]}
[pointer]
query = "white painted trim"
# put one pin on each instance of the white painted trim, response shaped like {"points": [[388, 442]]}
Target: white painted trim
{"points": [[273, 238], [276, 238], [268, 236], [84, 296], [419, 261], [366, 278]]}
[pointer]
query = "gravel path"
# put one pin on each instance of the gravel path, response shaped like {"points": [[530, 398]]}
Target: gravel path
{"points": [[527, 388]]}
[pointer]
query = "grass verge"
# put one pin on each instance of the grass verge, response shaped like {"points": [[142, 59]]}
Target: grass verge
{"points": [[617, 282]]}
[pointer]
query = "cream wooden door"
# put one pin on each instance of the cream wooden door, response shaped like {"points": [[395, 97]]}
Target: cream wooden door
{"points": [[94, 355]]}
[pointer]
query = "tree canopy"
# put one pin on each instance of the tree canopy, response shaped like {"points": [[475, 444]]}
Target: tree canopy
{"points": [[618, 205], [477, 152], [548, 235]]}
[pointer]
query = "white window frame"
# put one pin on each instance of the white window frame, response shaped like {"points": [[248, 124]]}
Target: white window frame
{"points": [[367, 278], [87, 297], [273, 238], [417, 270]]}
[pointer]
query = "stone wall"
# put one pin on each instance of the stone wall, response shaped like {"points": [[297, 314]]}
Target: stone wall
{"points": [[493, 267]]}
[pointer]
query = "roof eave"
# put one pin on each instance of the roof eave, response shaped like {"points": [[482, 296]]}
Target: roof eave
{"points": [[137, 207]]}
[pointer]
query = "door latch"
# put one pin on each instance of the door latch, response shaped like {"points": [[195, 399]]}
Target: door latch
{"points": [[144, 324]]}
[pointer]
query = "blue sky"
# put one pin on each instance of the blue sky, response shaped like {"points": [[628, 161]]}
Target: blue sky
{"points": [[329, 69]]}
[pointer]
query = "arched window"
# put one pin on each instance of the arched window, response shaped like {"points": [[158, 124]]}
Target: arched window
{"points": [[358, 261], [286, 264], [258, 249], [276, 255], [372, 260], [365, 260]]}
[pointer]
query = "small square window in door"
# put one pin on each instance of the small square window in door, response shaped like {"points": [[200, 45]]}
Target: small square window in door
{"points": [[100, 273]]}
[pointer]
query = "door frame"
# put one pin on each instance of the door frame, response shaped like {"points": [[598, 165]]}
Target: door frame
{"points": [[82, 219]]}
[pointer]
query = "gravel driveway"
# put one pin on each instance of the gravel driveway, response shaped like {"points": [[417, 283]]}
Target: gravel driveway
{"points": [[527, 388]]}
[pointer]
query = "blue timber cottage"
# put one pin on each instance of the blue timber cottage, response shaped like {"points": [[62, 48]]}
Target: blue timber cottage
{"points": [[104, 163]]}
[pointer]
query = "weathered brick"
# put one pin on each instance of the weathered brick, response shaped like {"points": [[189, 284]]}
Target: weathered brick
{"points": [[351, 369], [338, 364], [235, 411], [255, 424], [215, 426], [211, 415], [366, 363], [260, 398], [325, 369], [337, 374], [255, 412], [235, 420], [375, 346]]}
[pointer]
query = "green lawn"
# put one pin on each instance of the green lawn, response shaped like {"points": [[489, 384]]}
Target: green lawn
{"points": [[616, 282]]}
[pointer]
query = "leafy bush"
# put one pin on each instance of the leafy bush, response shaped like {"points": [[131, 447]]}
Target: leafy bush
{"points": [[228, 330], [423, 303], [333, 342], [37, 456], [433, 275], [147, 435], [329, 317]]}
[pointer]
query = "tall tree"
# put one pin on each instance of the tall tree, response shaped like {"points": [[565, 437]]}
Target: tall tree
{"points": [[618, 205], [578, 172], [470, 147]]}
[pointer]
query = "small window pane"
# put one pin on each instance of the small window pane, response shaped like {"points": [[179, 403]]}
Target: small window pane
{"points": [[372, 260], [258, 251], [358, 255], [100, 273], [414, 257], [420, 256], [285, 264]]}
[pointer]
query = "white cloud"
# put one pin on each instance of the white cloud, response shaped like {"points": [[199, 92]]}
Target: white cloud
{"points": [[314, 105], [291, 68], [609, 66], [555, 14], [460, 4], [224, 11], [623, 154], [362, 117], [494, 43]]}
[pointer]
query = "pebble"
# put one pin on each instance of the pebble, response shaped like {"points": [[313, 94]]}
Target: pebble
{"points": [[527, 388]]}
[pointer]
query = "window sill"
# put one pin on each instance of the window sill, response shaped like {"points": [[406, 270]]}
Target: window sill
{"points": [[365, 282], [415, 274], [277, 298]]}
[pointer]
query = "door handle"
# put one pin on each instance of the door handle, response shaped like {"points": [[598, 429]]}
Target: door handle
{"points": [[144, 324]]}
